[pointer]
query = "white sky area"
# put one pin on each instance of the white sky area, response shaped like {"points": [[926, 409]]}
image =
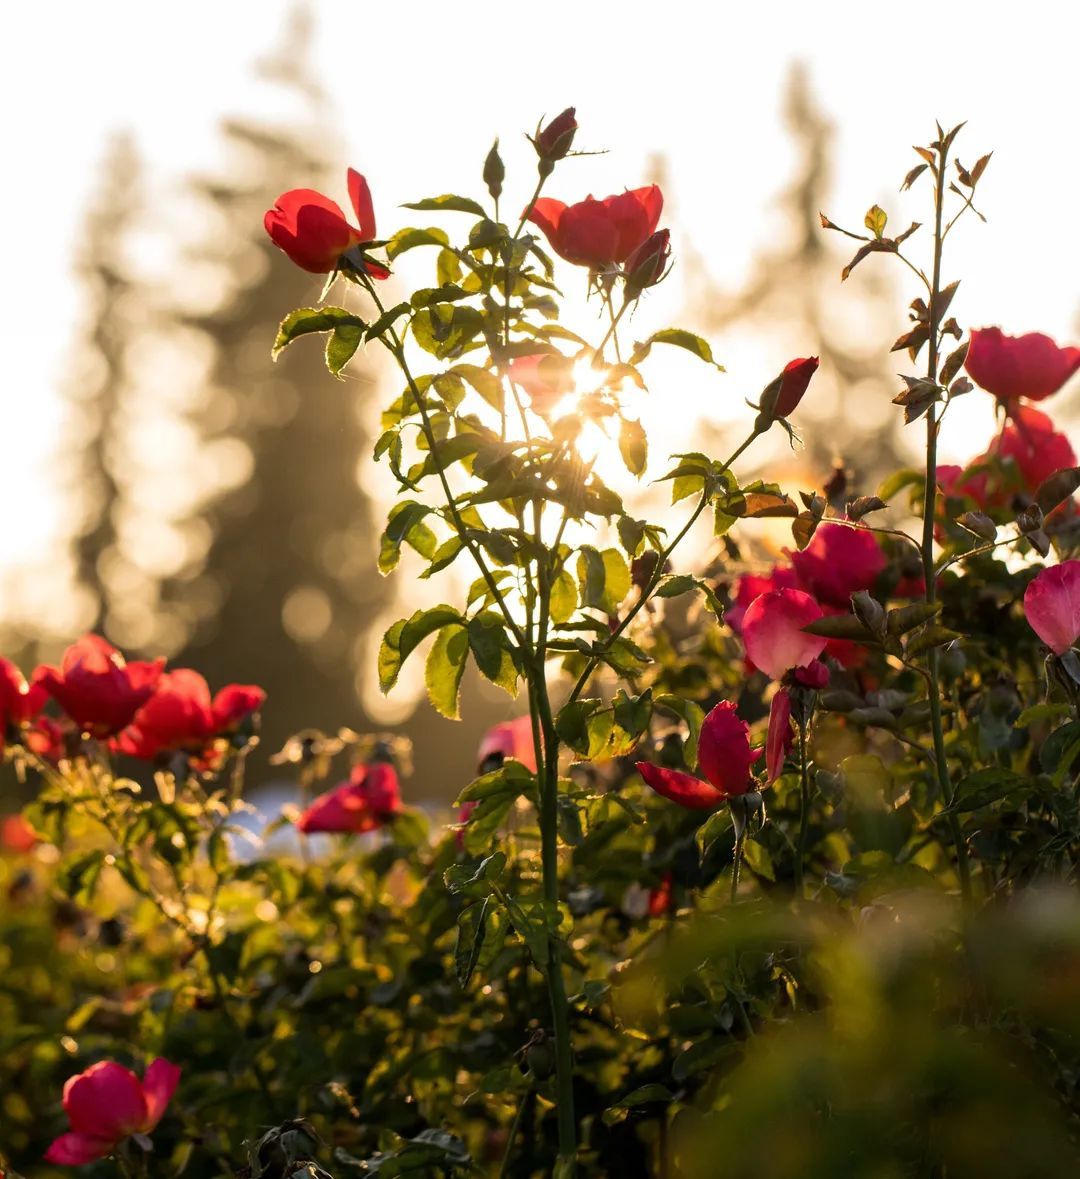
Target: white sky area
{"points": [[421, 89]]}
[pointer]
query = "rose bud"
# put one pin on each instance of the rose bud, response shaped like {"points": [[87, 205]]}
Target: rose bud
{"points": [[1030, 366], [781, 396], [647, 265], [553, 142]]}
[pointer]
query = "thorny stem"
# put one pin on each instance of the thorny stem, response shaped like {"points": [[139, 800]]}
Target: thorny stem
{"points": [[929, 513]]}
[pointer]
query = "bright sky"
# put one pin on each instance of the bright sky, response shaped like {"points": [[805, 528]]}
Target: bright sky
{"points": [[420, 97]]}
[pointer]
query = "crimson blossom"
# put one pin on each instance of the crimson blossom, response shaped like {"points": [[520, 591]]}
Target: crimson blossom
{"points": [[599, 234], [773, 635], [181, 717], [367, 801], [1035, 446], [107, 1104], [839, 561], [19, 701], [97, 688], [724, 757], [1030, 366], [1052, 605], [313, 231]]}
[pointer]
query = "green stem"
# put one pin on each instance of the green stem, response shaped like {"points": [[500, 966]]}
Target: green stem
{"points": [[396, 348], [804, 818], [515, 1125], [657, 574], [929, 513], [736, 864]]}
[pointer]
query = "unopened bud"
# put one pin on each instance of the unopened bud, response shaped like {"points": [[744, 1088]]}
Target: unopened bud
{"points": [[781, 396], [646, 265], [554, 141]]}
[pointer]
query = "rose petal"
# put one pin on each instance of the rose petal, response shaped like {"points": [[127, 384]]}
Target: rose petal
{"points": [[772, 631], [1052, 605], [159, 1084], [684, 789], [724, 753]]}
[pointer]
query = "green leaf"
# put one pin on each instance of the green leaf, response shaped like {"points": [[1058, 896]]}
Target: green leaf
{"points": [[512, 778], [405, 525], [680, 339], [444, 669], [875, 220], [693, 714], [409, 239], [633, 446], [645, 1095], [471, 928], [485, 382], [305, 320], [342, 344], [404, 636], [563, 597], [984, 787], [447, 203], [714, 827], [493, 651]]}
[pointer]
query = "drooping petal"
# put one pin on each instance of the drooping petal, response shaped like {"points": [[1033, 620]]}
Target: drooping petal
{"points": [[780, 736], [360, 196], [159, 1084], [1052, 605], [75, 1150], [235, 703], [724, 753], [684, 789], [772, 631], [106, 1101]]}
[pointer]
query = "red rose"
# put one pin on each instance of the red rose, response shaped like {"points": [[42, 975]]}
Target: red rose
{"points": [[773, 635], [545, 377], [1030, 366], [782, 395], [19, 701], [96, 688], [513, 738], [1030, 440], [839, 561], [367, 801], [599, 234], [181, 717], [314, 232], [647, 265], [724, 757], [1052, 605], [554, 141], [107, 1104], [753, 585]]}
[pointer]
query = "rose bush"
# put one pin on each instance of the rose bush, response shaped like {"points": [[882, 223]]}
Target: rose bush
{"points": [[782, 890]]}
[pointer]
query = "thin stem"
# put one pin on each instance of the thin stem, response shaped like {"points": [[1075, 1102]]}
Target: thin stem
{"points": [[736, 864], [657, 574], [396, 348], [929, 513], [598, 359], [515, 1125], [804, 817]]}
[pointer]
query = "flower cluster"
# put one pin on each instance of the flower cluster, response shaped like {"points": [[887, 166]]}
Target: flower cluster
{"points": [[136, 708]]}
